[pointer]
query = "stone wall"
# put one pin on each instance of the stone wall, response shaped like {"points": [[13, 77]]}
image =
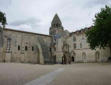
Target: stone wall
{"points": [[26, 47], [79, 49], [82, 51], [1, 43]]}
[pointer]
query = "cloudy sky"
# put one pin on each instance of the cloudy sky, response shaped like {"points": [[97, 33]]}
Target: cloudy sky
{"points": [[36, 15]]}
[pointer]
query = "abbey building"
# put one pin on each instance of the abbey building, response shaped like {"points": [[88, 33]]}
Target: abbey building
{"points": [[59, 46]]}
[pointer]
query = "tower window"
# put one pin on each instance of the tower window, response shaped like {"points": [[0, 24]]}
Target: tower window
{"points": [[18, 47], [26, 48], [56, 25], [50, 49], [32, 48]]}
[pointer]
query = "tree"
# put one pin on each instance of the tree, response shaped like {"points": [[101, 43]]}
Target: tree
{"points": [[100, 34], [3, 20]]}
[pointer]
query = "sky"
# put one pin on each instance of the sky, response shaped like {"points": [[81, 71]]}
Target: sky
{"points": [[36, 15]]}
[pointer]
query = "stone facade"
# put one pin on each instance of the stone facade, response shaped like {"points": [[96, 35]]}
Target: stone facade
{"points": [[25, 47], [82, 51], [73, 47], [59, 46]]}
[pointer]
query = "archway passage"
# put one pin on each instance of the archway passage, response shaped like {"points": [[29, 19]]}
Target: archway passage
{"points": [[73, 55], [38, 54]]}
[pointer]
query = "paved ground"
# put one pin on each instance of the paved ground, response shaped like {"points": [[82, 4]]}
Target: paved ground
{"points": [[74, 74]]}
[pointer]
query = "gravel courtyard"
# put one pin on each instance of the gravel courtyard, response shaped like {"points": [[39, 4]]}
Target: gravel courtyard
{"points": [[19, 74], [74, 74], [84, 74]]}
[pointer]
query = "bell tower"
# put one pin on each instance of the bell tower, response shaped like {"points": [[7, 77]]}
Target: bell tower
{"points": [[56, 26]]}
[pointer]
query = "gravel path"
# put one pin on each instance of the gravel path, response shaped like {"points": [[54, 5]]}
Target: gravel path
{"points": [[46, 79]]}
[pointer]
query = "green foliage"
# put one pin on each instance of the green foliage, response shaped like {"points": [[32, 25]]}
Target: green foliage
{"points": [[100, 34], [3, 19]]}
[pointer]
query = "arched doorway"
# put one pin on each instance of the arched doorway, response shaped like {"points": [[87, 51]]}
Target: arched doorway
{"points": [[73, 56], [73, 59], [40, 58], [97, 56], [84, 57]]}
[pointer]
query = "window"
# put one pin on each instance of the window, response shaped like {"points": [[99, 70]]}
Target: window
{"points": [[32, 48], [84, 55], [56, 25], [8, 44], [50, 49], [80, 45], [74, 38], [18, 47], [74, 46], [26, 48]]}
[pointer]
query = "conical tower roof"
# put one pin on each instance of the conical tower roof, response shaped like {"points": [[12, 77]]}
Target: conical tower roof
{"points": [[56, 19]]}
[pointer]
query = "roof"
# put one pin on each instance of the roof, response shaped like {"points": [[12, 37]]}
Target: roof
{"points": [[56, 19], [9, 29], [81, 30]]}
